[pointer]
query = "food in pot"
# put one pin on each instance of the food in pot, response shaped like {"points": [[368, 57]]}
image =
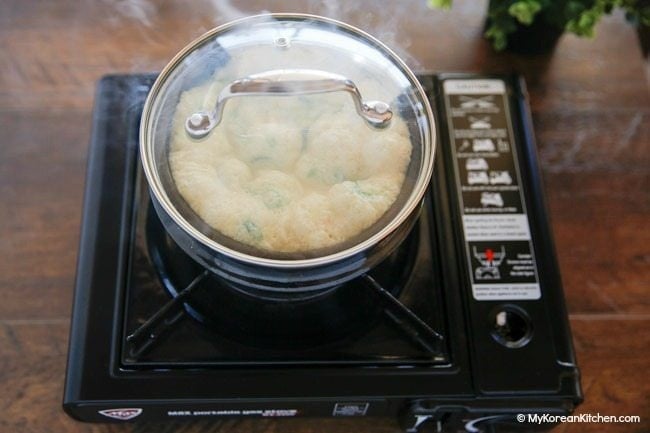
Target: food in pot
{"points": [[288, 173]]}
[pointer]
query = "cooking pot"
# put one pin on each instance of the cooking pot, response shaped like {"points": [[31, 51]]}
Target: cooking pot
{"points": [[285, 56]]}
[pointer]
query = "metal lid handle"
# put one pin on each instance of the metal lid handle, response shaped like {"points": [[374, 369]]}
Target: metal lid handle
{"points": [[283, 82]]}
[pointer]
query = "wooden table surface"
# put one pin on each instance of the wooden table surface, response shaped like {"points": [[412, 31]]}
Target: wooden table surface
{"points": [[591, 109]]}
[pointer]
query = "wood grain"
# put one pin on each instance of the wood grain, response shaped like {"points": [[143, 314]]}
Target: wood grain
{"points": [[591, 109]]}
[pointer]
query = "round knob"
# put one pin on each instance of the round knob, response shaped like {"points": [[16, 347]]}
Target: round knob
{"points": [[510, 326]]}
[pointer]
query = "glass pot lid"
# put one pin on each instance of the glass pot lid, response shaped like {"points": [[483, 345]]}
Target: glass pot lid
{"points": [[287, 139]]}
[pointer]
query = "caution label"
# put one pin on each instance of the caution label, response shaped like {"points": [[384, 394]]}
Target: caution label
{"points": [[498, 242]]}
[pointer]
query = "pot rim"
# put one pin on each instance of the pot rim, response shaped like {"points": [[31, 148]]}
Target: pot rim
{"points": [[156, 188]]}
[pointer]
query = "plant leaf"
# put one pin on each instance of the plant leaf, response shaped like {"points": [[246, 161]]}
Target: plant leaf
{"points": [[525, 11], [440, 4]]}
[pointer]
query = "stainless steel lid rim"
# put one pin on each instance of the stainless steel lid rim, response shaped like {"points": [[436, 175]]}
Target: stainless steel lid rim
{"points": [[160, 196]]}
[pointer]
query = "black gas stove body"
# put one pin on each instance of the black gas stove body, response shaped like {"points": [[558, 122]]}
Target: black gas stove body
{"points": [[465, 323]]}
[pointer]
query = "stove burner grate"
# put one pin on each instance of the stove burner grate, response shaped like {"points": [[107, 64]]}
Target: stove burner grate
{"points": [[324, 318]]}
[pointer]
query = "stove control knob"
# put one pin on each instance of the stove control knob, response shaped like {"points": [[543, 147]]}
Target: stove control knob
{"points": [[510, 326]]}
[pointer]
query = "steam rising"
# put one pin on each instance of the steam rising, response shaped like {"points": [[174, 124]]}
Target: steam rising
{"points": [[383, 22], [139, 10]]}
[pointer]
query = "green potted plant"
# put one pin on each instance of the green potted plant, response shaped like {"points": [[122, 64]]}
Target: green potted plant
{"points": [[534, 26]]}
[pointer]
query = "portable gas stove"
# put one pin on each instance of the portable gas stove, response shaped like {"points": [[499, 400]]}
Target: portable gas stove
{"points": [[463, 327]]}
